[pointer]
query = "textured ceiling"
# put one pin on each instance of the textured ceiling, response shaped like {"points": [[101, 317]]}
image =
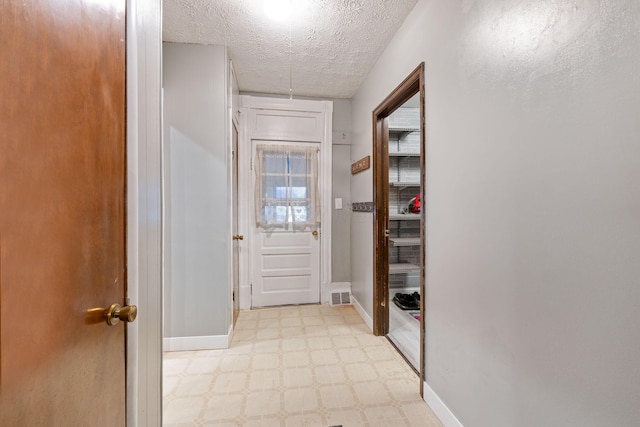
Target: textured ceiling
{"points": [[334, 42]]}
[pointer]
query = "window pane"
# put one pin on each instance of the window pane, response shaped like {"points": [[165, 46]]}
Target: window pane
{"points": [[300, 213], [298, 163], [284, 192], [274, 186], [281, 192], [275, 213], [298, 192], [274, 162]]}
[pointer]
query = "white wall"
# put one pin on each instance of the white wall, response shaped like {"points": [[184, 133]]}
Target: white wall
{"points": [[533, 206], [196, 190], [341, 218], [341, 188]]}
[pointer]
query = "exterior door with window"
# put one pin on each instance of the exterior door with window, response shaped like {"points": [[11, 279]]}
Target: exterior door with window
{"points": [[286, 238]]}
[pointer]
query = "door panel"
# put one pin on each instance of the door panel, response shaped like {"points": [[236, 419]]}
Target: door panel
{"points": [[286, 284], [287, 125], [284, 241], [62, 212], [286, 268], [287, 261]]}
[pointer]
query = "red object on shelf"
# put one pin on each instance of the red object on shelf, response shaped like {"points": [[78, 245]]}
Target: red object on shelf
{"points": [[414, 204]]}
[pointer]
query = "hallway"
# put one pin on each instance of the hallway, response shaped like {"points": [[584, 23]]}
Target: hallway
{"points": [[295, 366]]}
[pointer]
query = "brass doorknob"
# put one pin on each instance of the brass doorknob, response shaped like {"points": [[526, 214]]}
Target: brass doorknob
{"points": [[315, 233], [116, 313]]}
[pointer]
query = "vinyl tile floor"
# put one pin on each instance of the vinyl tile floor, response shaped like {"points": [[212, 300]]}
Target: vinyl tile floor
{"points": [[295, 366]]}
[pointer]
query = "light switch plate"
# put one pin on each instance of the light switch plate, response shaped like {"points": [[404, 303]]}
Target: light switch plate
{"points": [[339, 203]]}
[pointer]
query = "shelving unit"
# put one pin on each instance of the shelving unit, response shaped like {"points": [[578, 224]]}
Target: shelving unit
{"points": [[404, 229], [404, 184], [400, 233], [405, 241], [401, 184], [404, 217], [403, 129], [403, 267], [398, 154]]}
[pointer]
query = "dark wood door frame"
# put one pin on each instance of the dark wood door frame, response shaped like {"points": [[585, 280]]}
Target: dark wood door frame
{"points": [[412, 85]]}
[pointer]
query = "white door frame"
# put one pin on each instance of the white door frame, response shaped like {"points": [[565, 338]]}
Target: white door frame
{"points": [[144, 212], [247, 133]]}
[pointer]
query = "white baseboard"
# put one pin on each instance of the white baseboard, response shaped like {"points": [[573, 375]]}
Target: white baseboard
{"points": [[211, 342], [245, 297], [439, 408], [231, 330], [367, 319]]}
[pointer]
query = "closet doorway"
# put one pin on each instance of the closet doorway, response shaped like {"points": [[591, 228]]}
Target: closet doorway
{"points": [[399, 159]]}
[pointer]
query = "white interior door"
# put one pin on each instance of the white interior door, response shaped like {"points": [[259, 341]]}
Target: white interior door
{"points": [[285, 263]]}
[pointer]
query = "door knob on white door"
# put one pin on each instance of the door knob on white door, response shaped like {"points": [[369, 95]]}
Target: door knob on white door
{"points": [[238, 237]]}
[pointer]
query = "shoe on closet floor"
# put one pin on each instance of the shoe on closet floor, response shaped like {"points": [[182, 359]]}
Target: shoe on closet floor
{"points": [[406, 301]]}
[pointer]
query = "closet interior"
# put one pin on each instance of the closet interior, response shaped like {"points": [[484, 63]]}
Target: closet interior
{"points": [[404, 230]]}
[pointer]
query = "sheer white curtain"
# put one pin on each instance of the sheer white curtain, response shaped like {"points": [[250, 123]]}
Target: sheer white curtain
{"points": [[286, 191]]}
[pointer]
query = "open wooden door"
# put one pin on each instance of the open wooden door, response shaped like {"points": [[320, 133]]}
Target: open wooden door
{"points": [[62, 212]]}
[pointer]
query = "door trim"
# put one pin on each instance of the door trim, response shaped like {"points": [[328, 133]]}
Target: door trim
{"points": [[144, 211], [235, 226], [413, 84]]}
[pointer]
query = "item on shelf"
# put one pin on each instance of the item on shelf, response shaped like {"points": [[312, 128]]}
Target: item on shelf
{"points": [[414, 205], [406, 301]]}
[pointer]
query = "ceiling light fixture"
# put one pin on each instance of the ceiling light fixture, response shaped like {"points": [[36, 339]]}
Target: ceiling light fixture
{"points": [[278, 10]]}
